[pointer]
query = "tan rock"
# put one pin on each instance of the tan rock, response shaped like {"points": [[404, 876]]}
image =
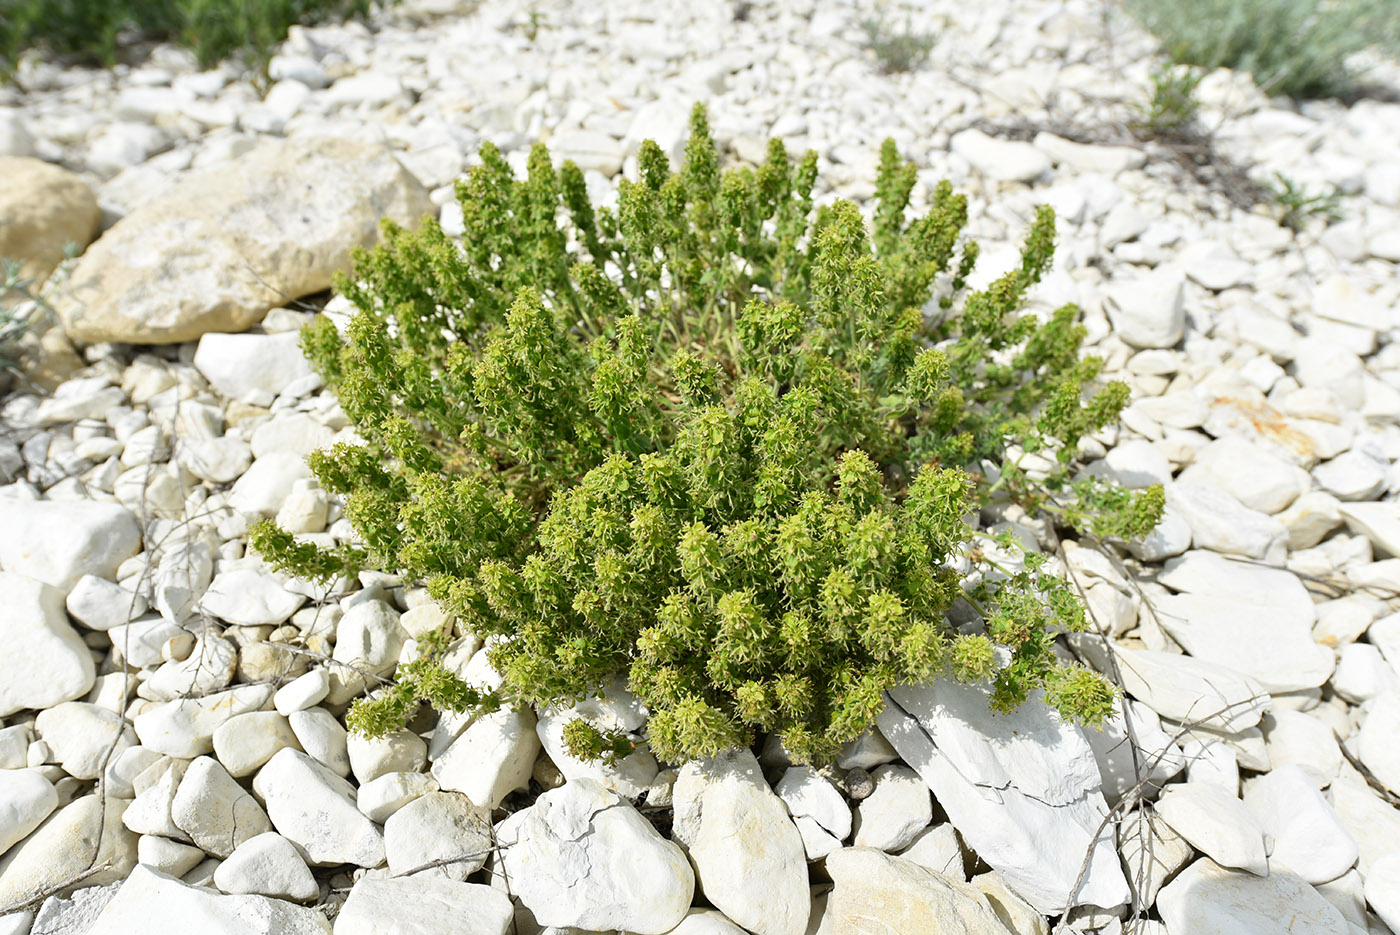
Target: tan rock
{"points": [[226, 245], [877, 892], [42, 208]]}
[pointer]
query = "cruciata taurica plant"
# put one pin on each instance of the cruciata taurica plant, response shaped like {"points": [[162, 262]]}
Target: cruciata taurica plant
{"points": [[710, 442]]}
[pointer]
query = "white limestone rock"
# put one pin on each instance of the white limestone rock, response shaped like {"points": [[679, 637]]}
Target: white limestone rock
{"points": [[99, 604], [1148, 311], [185, 727], [1250, 473], [1271, 644], [150, 901], [615, 708], [492, 758], [1000, 160], [808, 794], [380, 798], [1375, 742], [59, 541], [64, 846], [583, 857], [396, 752], [1221, 523], [80, 735], [214, 810], [167, 855], [893, 815], [877, 892], [1378, 522], [315, 809], [244, 743], [304, 691], [418, 905], [748, 856], [54, 665], [250, 597], [369, 638], [1383, 889], [1216, 823], [1180, 688], [262, 488], [938, 848], [323, 738], [1208, 899], [209, 667], [437, 826], [1303, 829], [26, 799], [215, 251], [267, 864]]}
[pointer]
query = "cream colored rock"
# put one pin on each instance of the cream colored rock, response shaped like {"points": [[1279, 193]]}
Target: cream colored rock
{"points": [[43, 208], [225, 245], [876, 892], [63, 847]]}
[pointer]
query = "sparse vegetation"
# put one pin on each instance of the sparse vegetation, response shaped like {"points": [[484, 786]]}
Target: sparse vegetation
{"points": [[898, 47], [1297, 208]]}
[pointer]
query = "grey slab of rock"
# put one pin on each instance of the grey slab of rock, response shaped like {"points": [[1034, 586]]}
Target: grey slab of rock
{"points": [[807, 793], [80, 736], [214, 810], [150, 901], [419, 905], [185, 727], [1272, 644], [434, 827], [875, 892], [53, 664], [748, 856], [1148, 311], [492, 758], [1022, 788], [583, 857], [222, 246], [59, 541], [250, 597], [26, 799], [1255, 476], [1306, 834], [1216, 823], [892, 816], [315, 809], [64, 846], [1221, 523], [1208, 899], [267, 864], [43, 208]]}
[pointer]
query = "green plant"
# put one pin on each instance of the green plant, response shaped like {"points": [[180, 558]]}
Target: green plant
{"points": [[1172, 105], [212, 29], [897, 49], [711, 442], [1297, 48], [20, 305], [1297, 207]]}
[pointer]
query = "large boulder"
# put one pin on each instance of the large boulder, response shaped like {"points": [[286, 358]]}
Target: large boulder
{"points": [[225, 245], [42, 209]]}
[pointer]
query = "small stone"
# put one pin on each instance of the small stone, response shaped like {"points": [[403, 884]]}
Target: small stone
{"points": [[1001, 160], [167, 856], [808, 794], [396, 752], [560, 855], [267, 865], [938, 848], [895, 812], [185, 727], [44, 207], [263, 487], [1248, 472], [26, 799], [492, 758], [1148, 311], [1215, 823], [209, 667], [54, 665], [438, 826], [323, 738], [382, 797], [249, 597], [367, 638], [99, 604], [418, 905], [589, 150], [81, 735], [1152, 852], [748, 857], [1221, 523], [875, 892], [1208, 899], [1310, 519], [304, 691], [59, 541], [1014, 912], [1306, 834], [315, 809], [244, 743], [859, 784], [1375, 742], [150, 901], [1383, 889], [214, 810]]}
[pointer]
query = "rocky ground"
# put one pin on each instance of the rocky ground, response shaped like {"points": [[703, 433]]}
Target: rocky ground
{"points": [[172, 748]]}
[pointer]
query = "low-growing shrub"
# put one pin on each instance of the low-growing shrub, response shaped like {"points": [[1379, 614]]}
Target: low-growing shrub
{"points": [[1171, 106], [1297, 48], [715, 442], [898, 48], [1296, 206], [212, 29]]}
